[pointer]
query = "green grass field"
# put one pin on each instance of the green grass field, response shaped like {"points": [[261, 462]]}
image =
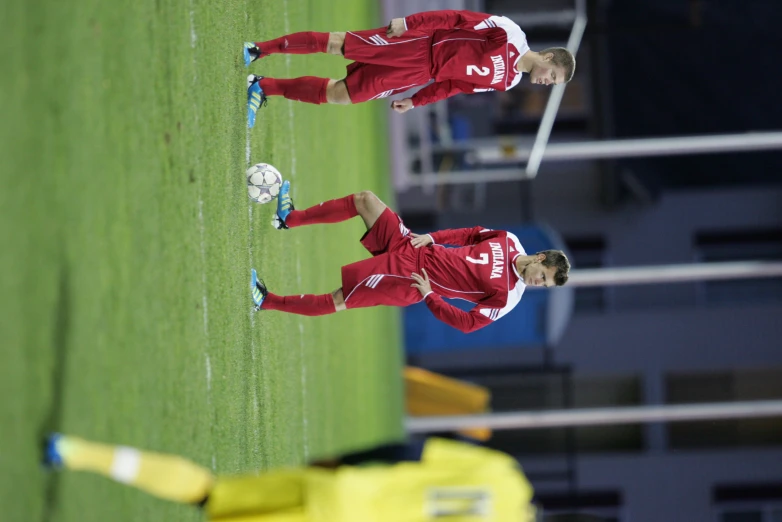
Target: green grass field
{"points": [[127, 241]]}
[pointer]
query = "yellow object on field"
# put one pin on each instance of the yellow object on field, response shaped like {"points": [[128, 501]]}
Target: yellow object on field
{"points": [[454, 481], [428, 393]]}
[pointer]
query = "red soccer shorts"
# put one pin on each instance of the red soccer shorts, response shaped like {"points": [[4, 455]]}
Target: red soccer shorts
{"points": [[385, 66], [385, 278]]}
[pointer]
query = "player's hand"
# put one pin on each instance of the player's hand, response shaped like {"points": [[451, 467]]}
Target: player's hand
{"points": [[402, 106], [421, 283], [396, 27], [420, 241]]}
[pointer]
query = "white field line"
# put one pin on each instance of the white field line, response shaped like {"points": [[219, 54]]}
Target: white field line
{"points": [[256, 420], [303, 355], [202, 228]]}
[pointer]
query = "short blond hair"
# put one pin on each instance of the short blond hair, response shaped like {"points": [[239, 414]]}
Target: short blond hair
{"points": [[562, 58]]}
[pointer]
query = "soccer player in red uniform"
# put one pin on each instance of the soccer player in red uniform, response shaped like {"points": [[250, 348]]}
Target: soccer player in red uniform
{"points": [[490, 268], [461, 51]]}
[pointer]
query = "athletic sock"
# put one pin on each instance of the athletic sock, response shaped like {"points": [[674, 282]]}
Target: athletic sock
{"points": [[297, 43], [309, 89], [309, 304], [332, 211]]}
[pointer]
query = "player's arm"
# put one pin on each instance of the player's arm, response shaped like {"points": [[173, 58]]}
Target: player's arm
{"points": [[434, 92], [446, 19], [437, 91], [458, 236], [465, 322]]}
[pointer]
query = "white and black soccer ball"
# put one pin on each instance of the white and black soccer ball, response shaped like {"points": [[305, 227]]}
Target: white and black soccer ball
{"points": [[263, 182]]}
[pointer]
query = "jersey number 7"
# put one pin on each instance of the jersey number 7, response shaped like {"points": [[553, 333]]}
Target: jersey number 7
{"points": [[483, 260]]}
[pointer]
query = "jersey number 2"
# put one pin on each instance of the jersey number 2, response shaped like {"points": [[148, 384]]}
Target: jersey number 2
{"points": [[483, 260], [480, 71]]}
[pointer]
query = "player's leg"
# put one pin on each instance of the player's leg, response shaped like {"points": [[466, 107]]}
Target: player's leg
{"points": [[369, 46], [339, 299], [364, 204], [337, 93], [366, 82], [384, 279], [301, 304], [365, 291], [311, 305], [336, 43], [165, 476], [276, 491], [383, 288], [409, 51], [308, 42], [317, 91], [369, 207], [307, 89], [361, 282]]}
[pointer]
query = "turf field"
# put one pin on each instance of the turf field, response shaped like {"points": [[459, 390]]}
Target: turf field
{"points": [[127, 241]]}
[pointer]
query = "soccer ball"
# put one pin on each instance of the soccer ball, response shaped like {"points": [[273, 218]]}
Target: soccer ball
{"points": [[263, 182]]}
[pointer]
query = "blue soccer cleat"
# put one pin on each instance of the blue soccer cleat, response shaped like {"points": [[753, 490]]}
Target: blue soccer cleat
{"points": [[251, 53], [284, 206], [259, 290], [51, 457], [255, 98]]}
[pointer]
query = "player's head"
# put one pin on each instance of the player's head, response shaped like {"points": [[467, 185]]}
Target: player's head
{"points": [[556, 65], [549, 268]]}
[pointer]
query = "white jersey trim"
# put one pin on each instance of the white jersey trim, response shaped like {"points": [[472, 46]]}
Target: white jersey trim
{"points": [[514, 296], [379, 40], [519, 252], [452, 39], [386, 94], [372, 282]]}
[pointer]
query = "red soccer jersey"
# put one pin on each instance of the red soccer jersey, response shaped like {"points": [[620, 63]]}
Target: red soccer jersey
{"points": [[471, 52], [481, 271]]}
